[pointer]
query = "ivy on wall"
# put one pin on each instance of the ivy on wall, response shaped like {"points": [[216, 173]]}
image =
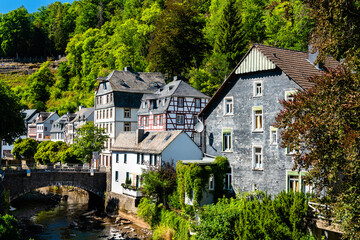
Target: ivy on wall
{"points": [[193, 178]]}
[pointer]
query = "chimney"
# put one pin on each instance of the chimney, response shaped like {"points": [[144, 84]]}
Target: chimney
{"points": [[312, 56], [128, 69], [81, 107], [139, 135]]}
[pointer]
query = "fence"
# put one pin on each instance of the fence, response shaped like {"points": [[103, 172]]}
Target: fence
{"points": [[53, 168]]}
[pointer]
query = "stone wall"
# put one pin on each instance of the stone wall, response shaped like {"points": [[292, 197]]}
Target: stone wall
{"points": [[115, 202], [272, 176]]}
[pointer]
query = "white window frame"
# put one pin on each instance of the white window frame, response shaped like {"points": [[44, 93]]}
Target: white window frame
{"points": [[254, 118], [272, 140], [227, 131], [228, 177], [211, 182], [231, 108], [289, 95], [257, 166], [255, 89]]}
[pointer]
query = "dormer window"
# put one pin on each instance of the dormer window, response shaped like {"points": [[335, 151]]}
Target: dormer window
{"points": [[170, 88]]}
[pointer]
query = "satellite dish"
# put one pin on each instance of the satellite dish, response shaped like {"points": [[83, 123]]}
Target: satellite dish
{"points": [[199, 127]]}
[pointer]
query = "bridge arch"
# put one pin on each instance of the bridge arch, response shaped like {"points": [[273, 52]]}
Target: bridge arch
{"points": [[18, 183]]}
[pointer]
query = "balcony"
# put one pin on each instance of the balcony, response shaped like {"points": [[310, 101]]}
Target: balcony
{"points": [[131, 191]]}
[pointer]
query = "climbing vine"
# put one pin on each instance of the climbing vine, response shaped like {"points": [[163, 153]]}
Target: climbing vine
{"points": [[192, 179]]}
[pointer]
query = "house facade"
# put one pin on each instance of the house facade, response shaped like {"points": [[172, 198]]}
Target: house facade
{"points": [[44, 123], [136, 151], [172, 107], [80, 118], [117, 100], [240, 116], [57, 132]]}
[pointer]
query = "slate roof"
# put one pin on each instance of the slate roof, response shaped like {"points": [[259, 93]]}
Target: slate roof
{"points": [[83, 113], [176, 88], [294, 64], [45, 116], [59, 124], [29, 115], [137, 82], [152, 142]]}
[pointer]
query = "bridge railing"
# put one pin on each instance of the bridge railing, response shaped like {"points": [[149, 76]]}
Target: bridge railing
{"points": [[53, 168]]}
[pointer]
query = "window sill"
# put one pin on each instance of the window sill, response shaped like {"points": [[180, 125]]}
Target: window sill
{"points": [[227, 151], [228, 114], [273, 144], [258, 131], [258, 169], [257, 96]]}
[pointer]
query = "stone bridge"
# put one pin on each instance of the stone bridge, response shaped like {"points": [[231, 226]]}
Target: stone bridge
{"points": [[19, 182]]}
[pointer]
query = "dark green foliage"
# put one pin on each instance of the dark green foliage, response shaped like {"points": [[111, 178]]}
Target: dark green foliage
{"points": [[89, 139], [254, 216], [8, 228], [231, 40], [323, 126], [159, 183], [50, 152], [193, 178], [15, 32], [11, 119], [178, 40], [63, 77], [26, 148], [37, 91]]}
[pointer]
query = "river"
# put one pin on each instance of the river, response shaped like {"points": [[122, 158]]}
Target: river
{"points": [[72, 219]]}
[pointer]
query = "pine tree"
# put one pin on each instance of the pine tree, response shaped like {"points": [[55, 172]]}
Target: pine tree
{"points": [[231, 40]]}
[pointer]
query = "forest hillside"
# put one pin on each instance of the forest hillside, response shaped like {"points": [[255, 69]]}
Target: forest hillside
{"points": [[200, 40]]}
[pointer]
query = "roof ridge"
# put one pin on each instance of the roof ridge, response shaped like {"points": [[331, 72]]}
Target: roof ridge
{"points": [[259, 44]]}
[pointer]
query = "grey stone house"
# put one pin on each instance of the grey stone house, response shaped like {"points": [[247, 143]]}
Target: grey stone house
{"points": [[239, 118]]}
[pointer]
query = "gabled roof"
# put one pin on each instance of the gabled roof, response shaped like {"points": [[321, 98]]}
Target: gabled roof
{"points": [[294, 64], [177, 88], [29, 114], [58, 124], [137, 82], [83, 113], [45, 116], [152, 142]]}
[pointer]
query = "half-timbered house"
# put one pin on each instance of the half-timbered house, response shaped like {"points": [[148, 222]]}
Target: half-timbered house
{"points": [[172, 107]]}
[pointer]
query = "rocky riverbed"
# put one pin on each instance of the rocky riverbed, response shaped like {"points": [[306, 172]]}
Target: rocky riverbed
{"points": [[63, 214]]}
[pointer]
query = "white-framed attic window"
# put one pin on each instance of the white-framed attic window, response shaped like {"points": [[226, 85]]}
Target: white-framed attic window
{"points": [[228, 106], [257, 88]]}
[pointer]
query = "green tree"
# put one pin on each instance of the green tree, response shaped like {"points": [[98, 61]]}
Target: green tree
{"points": [[26, 148], [337, 27], [178, 39], [159, 183], [8, 227], [11, 119], [288, 25], [50, 152], [89, 139], [231, 40], [15, 32], [38, 87], [322, 126]]}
